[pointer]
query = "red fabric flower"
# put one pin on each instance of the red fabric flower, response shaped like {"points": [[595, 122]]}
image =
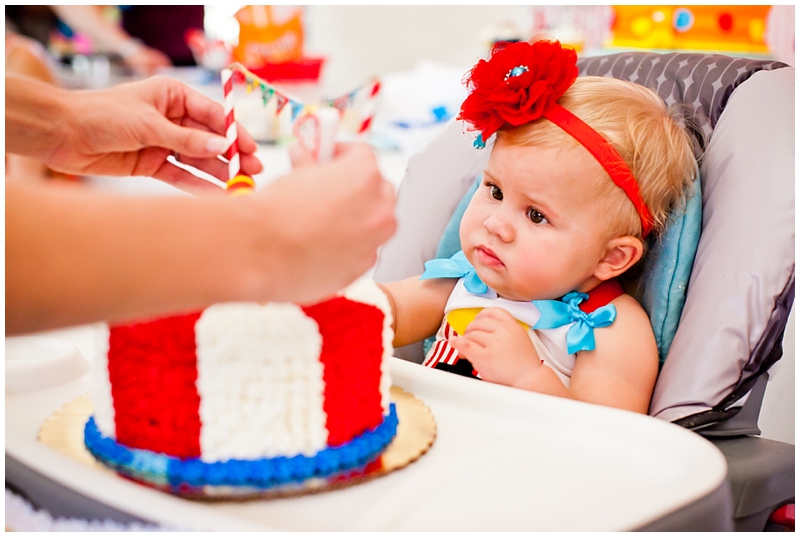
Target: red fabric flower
{"points": [[517, 83]]}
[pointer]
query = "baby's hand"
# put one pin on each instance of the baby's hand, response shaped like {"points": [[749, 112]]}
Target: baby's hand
{"points": [[498, 347]]}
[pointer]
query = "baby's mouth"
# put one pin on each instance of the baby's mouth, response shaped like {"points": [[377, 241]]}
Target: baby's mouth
{"points": [[488, 257]]}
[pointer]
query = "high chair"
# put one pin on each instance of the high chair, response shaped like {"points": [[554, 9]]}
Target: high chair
{"points": [[718, 285]]}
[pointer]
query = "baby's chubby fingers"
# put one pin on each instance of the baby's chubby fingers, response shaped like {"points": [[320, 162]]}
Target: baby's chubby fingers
{"points": [[471, 341], [495, 314], [464, 346], [490, 320]]}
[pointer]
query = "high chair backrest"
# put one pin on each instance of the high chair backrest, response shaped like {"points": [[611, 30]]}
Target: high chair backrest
{"points": [[741, 286]]}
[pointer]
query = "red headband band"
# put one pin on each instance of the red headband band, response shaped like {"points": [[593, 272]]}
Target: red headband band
{"points": [[521, 83]]}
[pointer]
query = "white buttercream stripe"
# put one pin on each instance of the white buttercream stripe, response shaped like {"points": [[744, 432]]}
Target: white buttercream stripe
{"points": [[260, 380]]}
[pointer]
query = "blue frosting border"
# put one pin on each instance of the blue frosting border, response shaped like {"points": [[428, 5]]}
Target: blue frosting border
{"points": [[261, 473]]}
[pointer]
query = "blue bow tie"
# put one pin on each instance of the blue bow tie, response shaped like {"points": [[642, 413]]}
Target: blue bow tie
{"points": [[455, 267], [554, 313], [580, 336]]}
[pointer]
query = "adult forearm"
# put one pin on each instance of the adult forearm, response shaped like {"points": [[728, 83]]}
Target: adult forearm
{"points": [[89, 20], [74, 257], [36, 118]]}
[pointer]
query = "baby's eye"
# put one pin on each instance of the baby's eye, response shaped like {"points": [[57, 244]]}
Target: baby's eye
{"points": [[535, 216], [496, 193]]}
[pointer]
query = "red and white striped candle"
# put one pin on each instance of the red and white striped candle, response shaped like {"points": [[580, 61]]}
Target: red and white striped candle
{"points": [[237, 183], [369, 107]]}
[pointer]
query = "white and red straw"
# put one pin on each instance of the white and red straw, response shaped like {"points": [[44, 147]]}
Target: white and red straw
{"points": [[237, 184], [369, 107], [231, 132]]}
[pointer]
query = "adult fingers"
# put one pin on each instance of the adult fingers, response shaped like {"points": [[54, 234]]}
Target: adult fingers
{"points": [[246, 142], [211, 115], [186, 181], [212, 166], [300, 156], [187, 141], [250, 164]]}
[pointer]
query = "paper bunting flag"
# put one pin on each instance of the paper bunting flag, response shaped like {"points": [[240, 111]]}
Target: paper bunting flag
{"points": [[341, 104], [296, 107], [280, 101], [367, 91], [266, 94]]}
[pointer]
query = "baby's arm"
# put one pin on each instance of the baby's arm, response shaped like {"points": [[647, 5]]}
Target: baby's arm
{"points": [[417, 307], [620, 372]]}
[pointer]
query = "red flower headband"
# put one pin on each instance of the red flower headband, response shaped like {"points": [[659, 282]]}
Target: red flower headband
{"points": [[520, 83]]}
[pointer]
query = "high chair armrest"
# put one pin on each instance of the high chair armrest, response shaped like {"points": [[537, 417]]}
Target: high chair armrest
{"points": [[761, 474]]}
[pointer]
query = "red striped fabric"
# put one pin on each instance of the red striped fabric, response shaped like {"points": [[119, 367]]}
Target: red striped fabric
{"points": [[442, 352]]}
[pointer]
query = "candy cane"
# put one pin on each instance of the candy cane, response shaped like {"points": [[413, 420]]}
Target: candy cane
{"points": [[237, 183], [369, 107]]}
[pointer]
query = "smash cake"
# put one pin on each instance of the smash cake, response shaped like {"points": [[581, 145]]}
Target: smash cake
{"points": [[247, 394]]}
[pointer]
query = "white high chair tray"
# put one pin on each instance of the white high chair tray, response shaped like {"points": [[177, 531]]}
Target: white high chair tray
{"points": [[503, 459]]}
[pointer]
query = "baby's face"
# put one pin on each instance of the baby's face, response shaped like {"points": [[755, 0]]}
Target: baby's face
{"points": [[534, 229]]}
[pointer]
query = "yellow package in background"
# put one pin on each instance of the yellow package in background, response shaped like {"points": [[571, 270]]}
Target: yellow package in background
{"points": [[269, 34]]}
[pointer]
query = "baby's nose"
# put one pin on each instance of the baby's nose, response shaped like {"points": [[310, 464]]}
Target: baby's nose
{"points": [[498, 224]]}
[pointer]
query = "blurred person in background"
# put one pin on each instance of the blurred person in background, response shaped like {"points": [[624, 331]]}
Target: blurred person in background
{"points": [[146, 37], [26, 57]]}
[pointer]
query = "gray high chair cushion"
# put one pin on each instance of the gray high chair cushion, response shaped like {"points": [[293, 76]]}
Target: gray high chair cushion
{"points": [[742, 285]]}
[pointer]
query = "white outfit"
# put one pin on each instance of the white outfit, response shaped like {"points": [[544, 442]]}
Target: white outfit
{"points": [[550, 344]]}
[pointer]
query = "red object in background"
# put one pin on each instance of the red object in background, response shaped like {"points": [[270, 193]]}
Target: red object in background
{"points": [[726, 22], [304, 69], [784, 516]]}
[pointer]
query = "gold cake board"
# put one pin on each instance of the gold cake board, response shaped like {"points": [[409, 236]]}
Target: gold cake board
{"points": [[416, 431]]}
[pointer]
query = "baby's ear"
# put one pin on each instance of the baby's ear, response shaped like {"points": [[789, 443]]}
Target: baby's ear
{"points": [[621, 254]]}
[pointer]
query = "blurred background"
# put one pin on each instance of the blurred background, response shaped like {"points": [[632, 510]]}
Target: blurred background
{"points": [[312, 55], [419, 53]]}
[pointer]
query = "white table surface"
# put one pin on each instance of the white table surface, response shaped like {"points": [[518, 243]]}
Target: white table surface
{"points": [[503, 459]]}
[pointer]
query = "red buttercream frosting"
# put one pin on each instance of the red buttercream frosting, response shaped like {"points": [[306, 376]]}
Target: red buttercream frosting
{"points": [[352, 336], [153, 372], [152, 367]]}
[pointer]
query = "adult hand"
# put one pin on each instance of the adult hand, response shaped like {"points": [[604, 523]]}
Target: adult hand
{"points": [[334, 216], [129, 129], [160, 116], [301, 238], [144, 59]]}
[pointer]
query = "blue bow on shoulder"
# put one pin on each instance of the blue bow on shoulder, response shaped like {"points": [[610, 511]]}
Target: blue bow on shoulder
{"points": [[580, 336], [455, 267]]}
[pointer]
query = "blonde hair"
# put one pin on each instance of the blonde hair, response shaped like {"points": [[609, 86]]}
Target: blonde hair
{"points": [[657, 149]]}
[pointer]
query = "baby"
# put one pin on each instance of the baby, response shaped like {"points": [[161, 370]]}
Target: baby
{"points": [[582, 170]]}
